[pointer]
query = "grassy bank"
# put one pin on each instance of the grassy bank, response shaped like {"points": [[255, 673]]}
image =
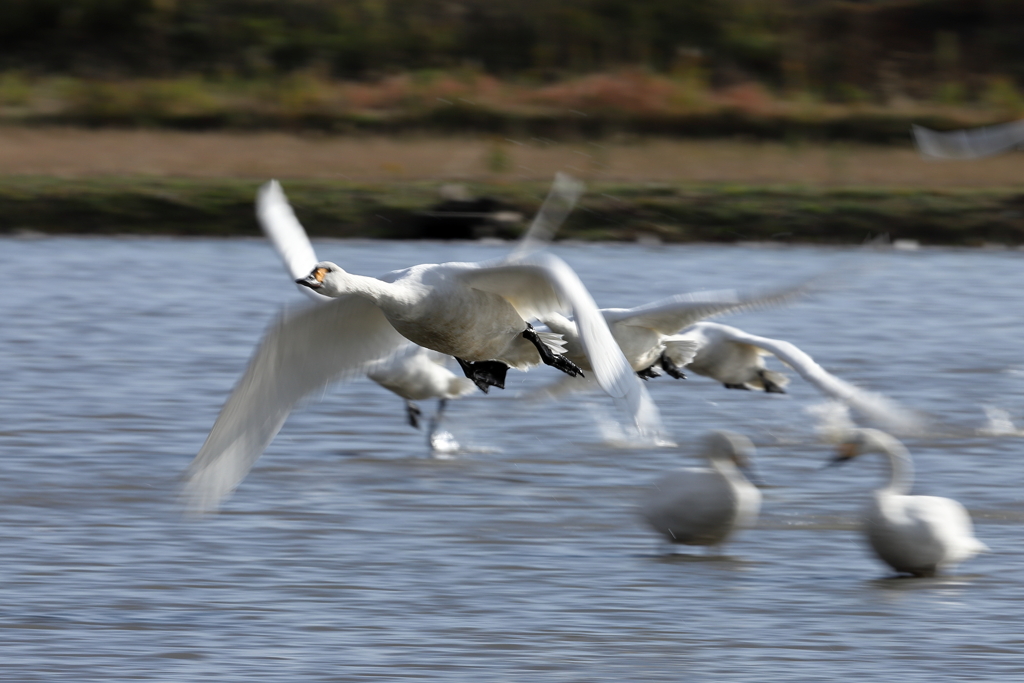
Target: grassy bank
{"points": [[595, 106], [670, 212]]}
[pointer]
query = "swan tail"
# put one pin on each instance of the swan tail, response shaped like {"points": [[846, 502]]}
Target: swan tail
{"points": [[776, 378], [680, 350], [553, 341], [460, 386]]}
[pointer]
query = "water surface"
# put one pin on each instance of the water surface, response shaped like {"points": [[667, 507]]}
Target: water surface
{"points": [[349, 555]]}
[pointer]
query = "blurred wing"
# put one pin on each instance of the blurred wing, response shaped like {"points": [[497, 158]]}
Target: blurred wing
{"points": [[974, 143], [284, 231], [873, 406], [299, 354], [564, 193], [540, 284], [670, 315]]}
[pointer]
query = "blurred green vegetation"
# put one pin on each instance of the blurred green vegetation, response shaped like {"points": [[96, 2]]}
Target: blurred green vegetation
{"points": [[609, 211], [765, 68]]}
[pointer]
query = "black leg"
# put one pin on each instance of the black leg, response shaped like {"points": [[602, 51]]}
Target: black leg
{"points": [[435, 422], [648, 373], [549, 357], [485, 373], [671, 368], [742, 387], [412, 411], [770, 387]]}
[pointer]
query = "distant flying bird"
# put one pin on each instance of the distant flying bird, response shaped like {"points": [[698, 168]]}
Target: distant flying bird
{"points": [[917, 535], [973, 143]]}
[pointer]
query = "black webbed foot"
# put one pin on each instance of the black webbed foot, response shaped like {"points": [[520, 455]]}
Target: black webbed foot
{"points": [[770, 387], [671, 368], [485, 373], [648, 373], [741, 387], [549, 357], [413, 412]]}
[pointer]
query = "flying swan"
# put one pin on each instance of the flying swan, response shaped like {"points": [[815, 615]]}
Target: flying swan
{"points": [[415, 373], [736, 359], [477, 312], [975, 143]]}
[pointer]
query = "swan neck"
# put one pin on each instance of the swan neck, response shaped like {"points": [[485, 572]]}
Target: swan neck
{"points": [[901, 467], [371, 288]]}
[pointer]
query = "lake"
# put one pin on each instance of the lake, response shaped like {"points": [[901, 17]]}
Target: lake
{"points": [[348, 554]]}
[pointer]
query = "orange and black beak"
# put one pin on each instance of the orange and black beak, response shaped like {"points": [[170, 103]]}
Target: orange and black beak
{"points": [[314, 280], [844, 453]]}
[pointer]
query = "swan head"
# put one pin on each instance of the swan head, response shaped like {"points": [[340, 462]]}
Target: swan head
{"points": [[859, 441], [731, 447], [326, 278]]}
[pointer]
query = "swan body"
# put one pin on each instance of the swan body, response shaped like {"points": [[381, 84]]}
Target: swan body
{"points": [[476, 312], [736, 359], [975, 143], [465, 310], [918, 535], [644, 333], [704, 505]]}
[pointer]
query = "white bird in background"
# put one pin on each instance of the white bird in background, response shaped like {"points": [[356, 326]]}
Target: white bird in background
{"points": [[649, 335], [704, 505], [736, 359], [475, 312], [975, 143], [414, 373], [918, 535]]}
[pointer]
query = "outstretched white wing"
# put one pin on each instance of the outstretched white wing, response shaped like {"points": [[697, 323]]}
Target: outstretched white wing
{"points": [[540, 284], [300, 353], [673, 313], [562, 197], [282, 228], [873, 406], [973, 143]]}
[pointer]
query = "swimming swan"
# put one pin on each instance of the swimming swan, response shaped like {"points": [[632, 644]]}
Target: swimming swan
{"points": [[975, 143], [414, 373], [735, 358], [475, 312], [918, 535], [704, 505]]}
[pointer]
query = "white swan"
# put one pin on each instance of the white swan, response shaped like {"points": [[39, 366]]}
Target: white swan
{"points": [[703, 505], [736, 359], [414, 373], [918, 535], [645, 332], [475, 312], [974, 143]]}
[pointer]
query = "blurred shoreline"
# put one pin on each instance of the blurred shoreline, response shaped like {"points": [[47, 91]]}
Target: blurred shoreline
{"points": [[144, 182], [628, 102]]}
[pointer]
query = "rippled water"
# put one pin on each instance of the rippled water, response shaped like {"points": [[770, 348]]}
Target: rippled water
{"points": [[348, 555]]}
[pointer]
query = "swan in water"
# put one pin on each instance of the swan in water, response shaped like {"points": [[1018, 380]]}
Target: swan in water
{"points": [[475, 312], [414, 373], [975, 143], [703, 505], [736, 359], [918, 535]]}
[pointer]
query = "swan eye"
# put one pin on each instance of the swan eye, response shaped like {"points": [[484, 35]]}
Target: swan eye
{"points": [[318, 274]]}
